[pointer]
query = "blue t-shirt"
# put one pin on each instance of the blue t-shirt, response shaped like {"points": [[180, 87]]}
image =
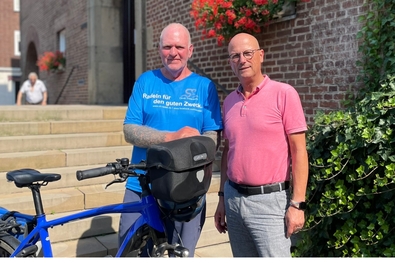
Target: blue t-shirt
{"points": [[168, 105]]}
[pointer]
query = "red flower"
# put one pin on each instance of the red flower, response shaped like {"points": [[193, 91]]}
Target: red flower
{"points": [[261, 2], [231, 16], [51, 61], [220, 40], [211, 33], [224, 18], [247, 12]]}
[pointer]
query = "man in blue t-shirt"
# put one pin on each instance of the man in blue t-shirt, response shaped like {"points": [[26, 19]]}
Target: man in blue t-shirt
{"points": [[170, 103]]}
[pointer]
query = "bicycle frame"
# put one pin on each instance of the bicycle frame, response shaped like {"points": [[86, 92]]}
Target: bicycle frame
{"points": [[147, 207]]}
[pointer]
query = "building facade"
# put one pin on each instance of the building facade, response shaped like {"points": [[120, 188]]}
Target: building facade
{"points": [[88, 34], [110, 42], [10, 73], [315, 51]]}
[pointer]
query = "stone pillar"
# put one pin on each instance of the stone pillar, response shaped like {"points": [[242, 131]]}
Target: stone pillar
{"points": [[105, 60]]}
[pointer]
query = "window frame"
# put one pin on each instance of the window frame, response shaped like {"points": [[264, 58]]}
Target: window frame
{"points": [[17, 42], [17, 5]]}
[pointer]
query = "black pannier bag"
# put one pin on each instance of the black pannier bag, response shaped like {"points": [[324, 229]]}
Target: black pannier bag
{"points": [[173, 168]]}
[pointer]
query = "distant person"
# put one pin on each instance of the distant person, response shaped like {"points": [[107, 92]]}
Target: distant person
{"points": [[35, 90]]}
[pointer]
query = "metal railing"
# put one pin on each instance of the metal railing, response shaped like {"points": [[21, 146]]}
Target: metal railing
{"points": [[64, 86]]}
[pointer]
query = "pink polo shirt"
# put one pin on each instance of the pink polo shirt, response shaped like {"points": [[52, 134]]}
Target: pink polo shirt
{"points": [[257, 130]]}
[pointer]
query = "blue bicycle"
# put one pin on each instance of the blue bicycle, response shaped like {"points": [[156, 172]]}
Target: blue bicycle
{"points": [[171, 188]]}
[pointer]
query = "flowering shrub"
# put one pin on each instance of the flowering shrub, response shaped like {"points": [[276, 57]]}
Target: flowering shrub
{"points": [[224, 18], [51, 61]]}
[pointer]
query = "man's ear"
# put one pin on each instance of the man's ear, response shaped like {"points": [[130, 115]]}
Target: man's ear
{"points": [[190, 50]]}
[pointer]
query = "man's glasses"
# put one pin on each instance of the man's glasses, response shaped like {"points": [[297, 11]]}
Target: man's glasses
{"points": [[248, 54]]}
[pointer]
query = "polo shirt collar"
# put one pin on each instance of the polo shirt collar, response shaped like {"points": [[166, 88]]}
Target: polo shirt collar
{"points": [[239, 89]]}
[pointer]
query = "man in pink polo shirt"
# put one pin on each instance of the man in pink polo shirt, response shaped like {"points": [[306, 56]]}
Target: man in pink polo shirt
{"points": [[260, 204]]}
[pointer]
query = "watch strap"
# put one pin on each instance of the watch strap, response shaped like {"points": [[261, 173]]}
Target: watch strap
{"points": [[298, 205]]}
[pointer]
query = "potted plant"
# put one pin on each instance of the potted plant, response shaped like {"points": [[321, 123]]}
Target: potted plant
{"points": [[52, 61], [223, 19]]}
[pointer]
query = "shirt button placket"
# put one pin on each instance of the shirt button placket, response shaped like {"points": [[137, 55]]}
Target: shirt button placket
{"points": [[244, 110]]}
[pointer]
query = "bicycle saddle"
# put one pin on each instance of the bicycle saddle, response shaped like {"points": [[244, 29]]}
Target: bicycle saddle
{"points": [[26, 177]]}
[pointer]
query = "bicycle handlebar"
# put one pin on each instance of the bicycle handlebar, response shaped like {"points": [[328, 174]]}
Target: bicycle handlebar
{"points": [[95, 172], [122, 166]]}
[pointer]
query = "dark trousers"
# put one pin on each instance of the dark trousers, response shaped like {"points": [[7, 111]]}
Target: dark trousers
{"points": [[38, 103]]}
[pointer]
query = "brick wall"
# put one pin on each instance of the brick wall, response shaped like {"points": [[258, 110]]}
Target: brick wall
{"points": [[41, 30], [9, 22], [316, 52]]}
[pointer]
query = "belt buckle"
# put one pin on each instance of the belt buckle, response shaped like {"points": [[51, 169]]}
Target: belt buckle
{"points": [[262, 189]]}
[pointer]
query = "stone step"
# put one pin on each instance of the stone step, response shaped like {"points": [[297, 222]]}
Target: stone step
{"points": [[59, 127], [32, 113], [28, 143], [63, 200], [98, 246], [68, 179], [62, 158]]}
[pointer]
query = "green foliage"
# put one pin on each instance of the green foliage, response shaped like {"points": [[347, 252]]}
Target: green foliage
{"points": [[351, 188], [378, 46]]}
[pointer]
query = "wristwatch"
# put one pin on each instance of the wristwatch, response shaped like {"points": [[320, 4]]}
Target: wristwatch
{"points": [[298, 205]]}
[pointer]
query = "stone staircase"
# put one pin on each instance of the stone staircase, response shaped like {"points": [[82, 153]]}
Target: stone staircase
{"points": [[66, 138]]}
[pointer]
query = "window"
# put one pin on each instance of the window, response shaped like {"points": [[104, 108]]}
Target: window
{"points": [[17, 41], [62, 40], [16, 5]]}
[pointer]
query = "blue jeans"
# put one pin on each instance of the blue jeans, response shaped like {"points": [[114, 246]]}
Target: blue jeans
{"points": [[184, 233], [256, 223]]}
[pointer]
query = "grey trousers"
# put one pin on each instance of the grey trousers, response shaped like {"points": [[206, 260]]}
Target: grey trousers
{"points": [[256, 223]]}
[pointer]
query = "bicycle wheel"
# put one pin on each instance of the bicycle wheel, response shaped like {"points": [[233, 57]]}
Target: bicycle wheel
{"points": [[145, 242], [8, 244]]}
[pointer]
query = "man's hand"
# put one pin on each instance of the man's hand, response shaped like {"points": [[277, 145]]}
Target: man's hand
{"points": [[219, 217], [294, 218], [182, 133]]}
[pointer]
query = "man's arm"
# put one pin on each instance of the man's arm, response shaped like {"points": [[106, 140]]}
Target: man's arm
{"points": [[224, 165], [215, 135], [19, 98], [300, 165], [219, 216], [144, 136], [45, 97], [300, 169]]}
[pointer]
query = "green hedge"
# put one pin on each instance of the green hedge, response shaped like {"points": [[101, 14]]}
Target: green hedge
{"points": [[351, 188]]}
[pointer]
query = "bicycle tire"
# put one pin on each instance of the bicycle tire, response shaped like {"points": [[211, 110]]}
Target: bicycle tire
{"points": [[8, 245], [137, 245]]}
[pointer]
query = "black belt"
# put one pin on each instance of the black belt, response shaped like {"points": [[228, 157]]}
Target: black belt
{"points": [[262, 189]]}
